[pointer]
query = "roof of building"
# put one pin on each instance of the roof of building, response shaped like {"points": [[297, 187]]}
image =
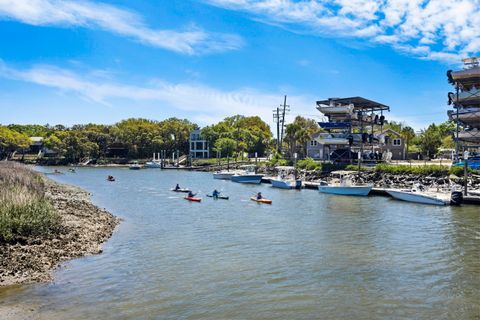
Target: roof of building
{"points": [[390, 130], [358, 103], [36, 139]]}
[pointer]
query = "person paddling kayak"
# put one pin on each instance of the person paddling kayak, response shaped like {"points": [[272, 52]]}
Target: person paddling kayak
{"points": [[259, 196], [177, 187], [215, 194], [190, 194]]}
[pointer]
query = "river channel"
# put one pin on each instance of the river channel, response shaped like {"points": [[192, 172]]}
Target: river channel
{"points": [[306, 256]]}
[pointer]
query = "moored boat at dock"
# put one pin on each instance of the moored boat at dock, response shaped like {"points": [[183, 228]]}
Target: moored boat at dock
{"points": [[418, 195], [344, 186], [247, 176], [285, 179]]}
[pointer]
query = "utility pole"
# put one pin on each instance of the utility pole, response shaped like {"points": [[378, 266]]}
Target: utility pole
{"points": [[276, 119], [286, 108]]}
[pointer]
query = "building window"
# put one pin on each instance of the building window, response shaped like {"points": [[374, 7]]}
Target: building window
{"points": [[313, 142], [397, 142]]}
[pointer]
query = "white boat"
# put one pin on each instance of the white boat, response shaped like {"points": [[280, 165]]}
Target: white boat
{"points": [[285, 180], [135, 166], [155, 163], [469, 135], [344, 186], [470, 116], [335, 109], [466, 74], [471, 96], [223, 175], [247, 176], [419, 195], [152, 164]]}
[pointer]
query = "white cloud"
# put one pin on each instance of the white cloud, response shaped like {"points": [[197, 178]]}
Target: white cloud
{"points": [[432, 29], [203, 102], [119, 21]]}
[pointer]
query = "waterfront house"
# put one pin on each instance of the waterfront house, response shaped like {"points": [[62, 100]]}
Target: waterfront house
{"points": [[314, 148], [198, 146], [392, 141]]}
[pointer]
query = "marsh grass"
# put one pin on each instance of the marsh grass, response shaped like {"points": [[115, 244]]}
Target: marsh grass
{"points": [[24, 209]]}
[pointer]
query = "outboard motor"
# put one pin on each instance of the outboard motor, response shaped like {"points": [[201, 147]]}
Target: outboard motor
{"points": [[449, 76], [456, 198], [450, 100], [382, 120]]}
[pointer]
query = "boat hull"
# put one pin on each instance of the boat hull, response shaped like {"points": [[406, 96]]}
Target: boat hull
{"points": [[251, 178], [346, 190], [417, 198], [152, 165], [469, 116], [193, 199], [219, 197], [285, 184], [266, 201], [223, 175]]}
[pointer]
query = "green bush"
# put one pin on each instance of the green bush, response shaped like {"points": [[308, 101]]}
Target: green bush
{"points": [[277, 160], [406, 169], [309, 164]]}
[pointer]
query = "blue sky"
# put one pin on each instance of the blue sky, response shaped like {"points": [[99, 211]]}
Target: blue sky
{"points": [[89, 61]]}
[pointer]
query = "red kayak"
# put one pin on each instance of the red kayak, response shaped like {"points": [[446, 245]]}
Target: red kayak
{"points": [[267, 201], [195, 199]]}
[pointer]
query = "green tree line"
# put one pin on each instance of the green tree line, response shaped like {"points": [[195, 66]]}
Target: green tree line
{"points": [[232, 136]]}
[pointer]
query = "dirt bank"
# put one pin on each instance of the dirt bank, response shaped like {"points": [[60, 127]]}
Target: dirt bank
{"points": [[84, 228]]}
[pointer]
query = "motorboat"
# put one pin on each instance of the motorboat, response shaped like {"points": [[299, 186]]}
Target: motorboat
{"points": [[418, 195], [152, 164], [469, 135], [285, 179], [247, 176], [469, 115], [135, 166], [155, 163], [335, 109], [471, 96], [473, 163], [223, 175], [344, 186]]}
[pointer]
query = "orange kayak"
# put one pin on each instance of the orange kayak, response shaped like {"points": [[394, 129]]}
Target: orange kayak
{"points": [[267, 201], [195, 199]]}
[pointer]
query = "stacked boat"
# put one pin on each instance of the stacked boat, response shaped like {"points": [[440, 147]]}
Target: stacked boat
{"points": [[466, 102]]}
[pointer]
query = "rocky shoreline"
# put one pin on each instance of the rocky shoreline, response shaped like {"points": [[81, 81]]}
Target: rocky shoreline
{"points": [[84, 227], [386, 180]]}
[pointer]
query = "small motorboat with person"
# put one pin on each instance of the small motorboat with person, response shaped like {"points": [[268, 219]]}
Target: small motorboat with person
{"points": [[110, 178]]}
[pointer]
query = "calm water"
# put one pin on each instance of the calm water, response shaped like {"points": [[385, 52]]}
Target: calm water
{"points": [[307, 256]]}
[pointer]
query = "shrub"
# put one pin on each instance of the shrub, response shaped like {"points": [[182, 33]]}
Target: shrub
{"points": [[309, 164], [24, 210], [406, 169]]}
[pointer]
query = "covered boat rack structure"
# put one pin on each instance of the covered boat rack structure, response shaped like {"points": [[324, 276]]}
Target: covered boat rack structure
{"points": [[466, 103], [351, 123]]}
